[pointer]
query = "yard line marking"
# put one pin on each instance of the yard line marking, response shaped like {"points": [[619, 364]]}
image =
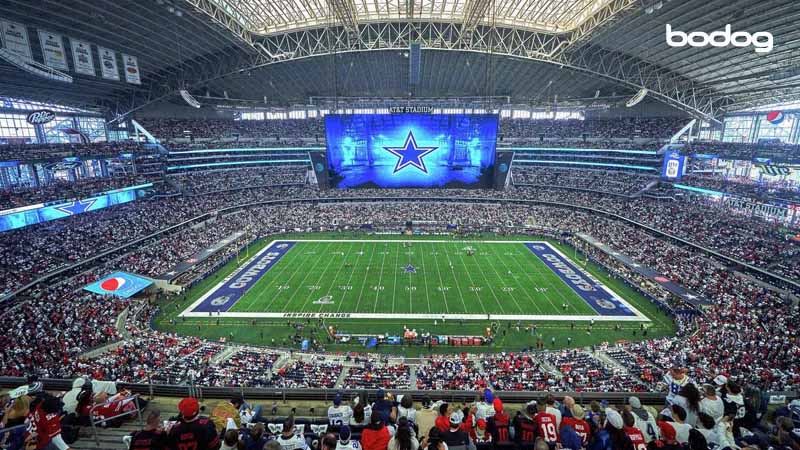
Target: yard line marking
{"points": [[311, 294], [425, 282], [366, 277], [380, 279], [455, 279], [257, 298], [441, 283], [350, 279], [500, 278], [302, 282], [472, 282], [396, 269], [333, 283], [524, 289]]}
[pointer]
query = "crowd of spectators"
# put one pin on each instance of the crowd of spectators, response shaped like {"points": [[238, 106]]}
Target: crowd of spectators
{"points": [[49, 152], [616, 128], [745, 187], [612, 182], [776, 151], [170, 129], [17, 196], [205, 182], [55, 320]]}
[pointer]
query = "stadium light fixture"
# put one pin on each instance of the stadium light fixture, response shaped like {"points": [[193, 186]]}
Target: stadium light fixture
{"points": [[187, 97]]}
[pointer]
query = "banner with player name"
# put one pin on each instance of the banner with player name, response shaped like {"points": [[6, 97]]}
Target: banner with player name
{"points": [[15, 39], [53, 50], [131, 67], [108, 63], [82, 57]]}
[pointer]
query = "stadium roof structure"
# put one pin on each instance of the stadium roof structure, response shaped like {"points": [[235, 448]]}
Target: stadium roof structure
{"points": [[529, 51], [271, 16]]}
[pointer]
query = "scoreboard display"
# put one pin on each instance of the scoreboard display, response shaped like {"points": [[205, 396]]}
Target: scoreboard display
{"points": [[411, 150]]}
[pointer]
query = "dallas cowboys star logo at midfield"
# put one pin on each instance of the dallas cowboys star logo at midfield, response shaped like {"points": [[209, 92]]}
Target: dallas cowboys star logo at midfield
{"points": [[410, 269], [410, 154]]}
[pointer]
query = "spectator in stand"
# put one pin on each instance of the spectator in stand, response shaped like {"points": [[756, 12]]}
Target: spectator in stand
{"points": [[193, 431], [443, 419], [574, 420], [679, 424], [376, 435], [289, 439], [339, 414], [634, 434], [255, 438], [611, 436], [525, 426], [711, 404], [406, 408], [499, 425], [151, 437], [404, 439], [384, 407], [455, 437], [645, 421], [345, 443]]}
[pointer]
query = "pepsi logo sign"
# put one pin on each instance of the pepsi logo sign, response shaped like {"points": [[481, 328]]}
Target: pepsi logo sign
{"points": [[112, 284], [775, 117], [41, 117]]}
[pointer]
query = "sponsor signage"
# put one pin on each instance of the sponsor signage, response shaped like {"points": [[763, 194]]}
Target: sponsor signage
{"points": [[224, 295], [119, 284], [597, 296], [40, 117]]}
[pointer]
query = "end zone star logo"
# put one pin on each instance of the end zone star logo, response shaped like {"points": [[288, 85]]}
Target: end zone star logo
{"points": [[410, 154]]}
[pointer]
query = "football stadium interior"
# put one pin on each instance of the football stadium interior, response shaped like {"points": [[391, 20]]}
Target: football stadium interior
{"points": [[400, 224]]}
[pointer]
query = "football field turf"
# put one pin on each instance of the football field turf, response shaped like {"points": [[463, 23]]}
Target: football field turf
{"points": [[412, 279]]}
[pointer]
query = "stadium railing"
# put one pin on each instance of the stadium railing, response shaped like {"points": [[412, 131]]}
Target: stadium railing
{"points": [[327, 395], [95, 422]]}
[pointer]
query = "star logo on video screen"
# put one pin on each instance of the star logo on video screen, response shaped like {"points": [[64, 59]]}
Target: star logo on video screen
{"points": [[410, 154]]}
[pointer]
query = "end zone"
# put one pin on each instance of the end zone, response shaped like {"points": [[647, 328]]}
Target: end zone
{"points": [[232, 288]]}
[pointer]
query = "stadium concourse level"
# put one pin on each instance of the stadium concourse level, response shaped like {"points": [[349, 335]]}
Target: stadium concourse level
{"points": [[748, 333]]}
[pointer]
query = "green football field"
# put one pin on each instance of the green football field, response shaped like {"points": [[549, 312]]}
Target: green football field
{"points": [[364, 284], [410, 279]]}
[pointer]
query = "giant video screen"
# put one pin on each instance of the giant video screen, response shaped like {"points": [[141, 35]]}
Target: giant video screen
{"points": [[411, 150]]}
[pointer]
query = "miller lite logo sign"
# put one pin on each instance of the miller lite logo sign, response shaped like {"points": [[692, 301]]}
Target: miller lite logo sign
{"points": [[41, 117]]}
